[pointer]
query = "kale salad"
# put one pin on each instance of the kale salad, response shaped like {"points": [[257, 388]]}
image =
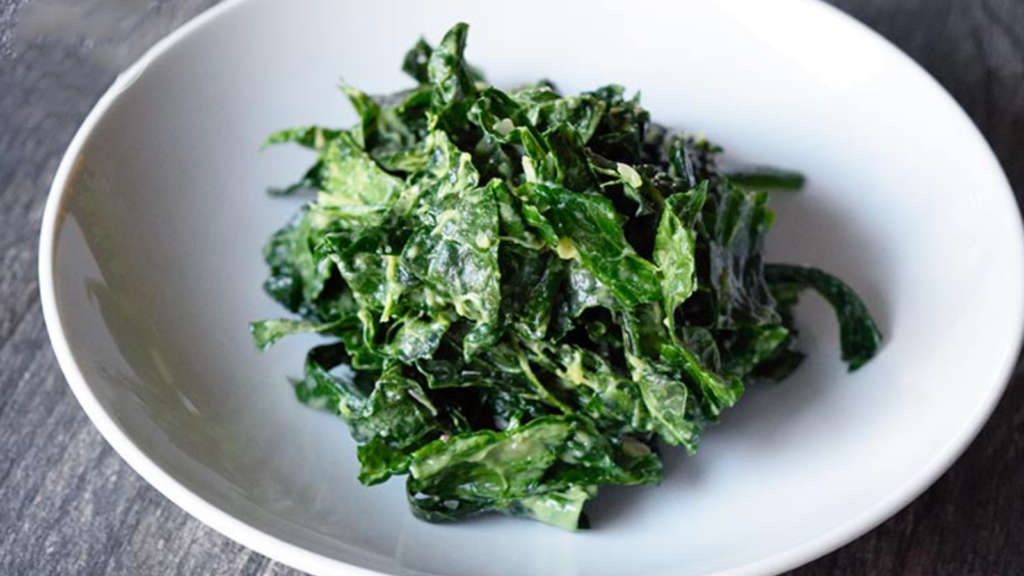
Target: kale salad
{"points": [[529, 295]]}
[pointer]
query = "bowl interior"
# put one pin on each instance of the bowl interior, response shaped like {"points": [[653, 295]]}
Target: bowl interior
{"points": [[157, 270]]}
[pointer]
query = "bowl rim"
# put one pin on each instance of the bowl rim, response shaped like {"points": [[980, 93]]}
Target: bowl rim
{"points": [[303, 559]]}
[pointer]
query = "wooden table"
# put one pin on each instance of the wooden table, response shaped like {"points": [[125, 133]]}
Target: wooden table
{"points": [[70, 505]]}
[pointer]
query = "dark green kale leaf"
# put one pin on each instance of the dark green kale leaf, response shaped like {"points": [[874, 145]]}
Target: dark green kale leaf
{"points": [[734, 225], [588, 227], [675, 247], [766, 178], [620, 132], [393, 136], [544, 470], [859, 337]]}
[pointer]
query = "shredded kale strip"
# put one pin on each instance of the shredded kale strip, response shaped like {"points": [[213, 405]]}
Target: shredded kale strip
{"points": [[859, 337], [527, 292]]}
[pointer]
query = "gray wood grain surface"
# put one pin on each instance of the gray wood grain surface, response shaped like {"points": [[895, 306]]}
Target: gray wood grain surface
{"points": [[69, 505]]}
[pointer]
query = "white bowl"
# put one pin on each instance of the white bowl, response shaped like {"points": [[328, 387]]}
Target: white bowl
{"points": [[150, 268]]}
